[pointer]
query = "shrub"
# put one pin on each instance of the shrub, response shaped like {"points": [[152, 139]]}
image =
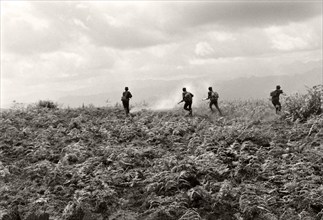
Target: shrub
{"points": [[47, 104], [302, 106]]}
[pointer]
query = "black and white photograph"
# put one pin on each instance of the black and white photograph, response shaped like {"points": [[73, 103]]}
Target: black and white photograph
{"points": [[161, 110]]}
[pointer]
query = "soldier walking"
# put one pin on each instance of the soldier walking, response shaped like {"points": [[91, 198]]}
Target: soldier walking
{"points": [[126, 96], [275, 98], [213, 97], [188, 99]]}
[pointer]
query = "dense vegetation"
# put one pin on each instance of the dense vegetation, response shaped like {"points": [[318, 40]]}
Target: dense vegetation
{"points": [[94, 163]]}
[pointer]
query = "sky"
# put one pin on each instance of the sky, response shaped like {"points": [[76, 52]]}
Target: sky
{"points": [[51, 49]]}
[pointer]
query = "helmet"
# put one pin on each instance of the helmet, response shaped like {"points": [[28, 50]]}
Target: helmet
{"points": [[278, 87], [184, 89], [126, 88], [210, 88]]}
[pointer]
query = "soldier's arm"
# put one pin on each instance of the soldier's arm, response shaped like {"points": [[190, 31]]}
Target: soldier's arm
{"points": [[183, 97], [208, 96]]}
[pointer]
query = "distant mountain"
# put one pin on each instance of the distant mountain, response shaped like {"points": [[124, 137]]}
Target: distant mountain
{"points": [[154, 91], [260, 87]]}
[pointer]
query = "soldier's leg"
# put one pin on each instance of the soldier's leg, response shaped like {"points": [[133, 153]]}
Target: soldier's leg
{"points": [[275, 105], [128, 110], [217, 107], [126, 106], [211, 103], [279, 106], [190, 108], [186, 106]]}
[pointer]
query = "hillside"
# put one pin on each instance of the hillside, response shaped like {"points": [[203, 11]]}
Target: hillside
{"points": [[94, 163]]}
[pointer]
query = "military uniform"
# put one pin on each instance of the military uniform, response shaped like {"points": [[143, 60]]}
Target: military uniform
{"points": [[275, 99], [187, 97], [126, 95], [213, 97]]}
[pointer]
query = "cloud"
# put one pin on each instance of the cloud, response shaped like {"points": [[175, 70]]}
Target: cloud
{"points": [[241, 14], [20, 36], [42, 27], [294, 36], [251, 42], [222, 36], [125, 37], [38, 27], [75, 63], [203, 49], [107, 24]]}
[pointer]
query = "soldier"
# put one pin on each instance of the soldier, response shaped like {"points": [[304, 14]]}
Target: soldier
{"points": [[275, 98], [213, 97], [126, 95], [188, 99]]}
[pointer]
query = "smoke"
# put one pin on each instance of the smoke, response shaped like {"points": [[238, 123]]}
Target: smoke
{"points": [[168, 100], [161, 105], [198, 89], [137, 109], [166, 103]]}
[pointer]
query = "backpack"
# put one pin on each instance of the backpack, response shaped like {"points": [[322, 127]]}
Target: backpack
{"points": [[126, 96], [188, 96], [214, 95], [275, 94]]}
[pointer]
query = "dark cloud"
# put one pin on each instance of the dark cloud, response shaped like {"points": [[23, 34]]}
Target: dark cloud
{"points": [[244, 14]]}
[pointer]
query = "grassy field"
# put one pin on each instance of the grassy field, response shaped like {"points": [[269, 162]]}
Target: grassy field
{"points": [[94, 163]]}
